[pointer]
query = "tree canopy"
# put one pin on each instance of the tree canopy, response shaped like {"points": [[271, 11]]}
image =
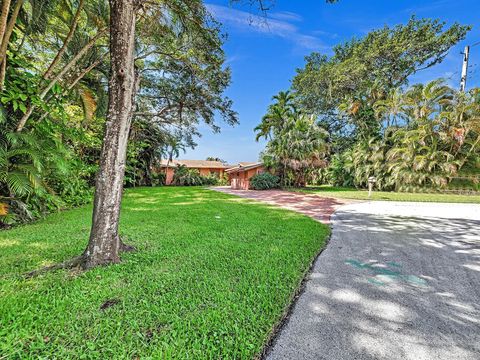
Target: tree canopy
{"points": [[54, 76], [366, 69], [410, 138]]}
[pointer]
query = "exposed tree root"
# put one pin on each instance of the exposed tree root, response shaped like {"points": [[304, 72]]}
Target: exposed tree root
{"points": [[75, 262], [125, 247]]}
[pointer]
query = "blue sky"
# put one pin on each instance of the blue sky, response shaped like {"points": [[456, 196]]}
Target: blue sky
{"points": [[264, 53]]}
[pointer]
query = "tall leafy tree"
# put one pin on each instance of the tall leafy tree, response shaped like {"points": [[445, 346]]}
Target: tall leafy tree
{"points": [[364, 70], [104, 243]]}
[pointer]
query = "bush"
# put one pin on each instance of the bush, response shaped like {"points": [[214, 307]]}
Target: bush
{"points": [[184, 176], [223, 180], [337, 173], [209, 180], [158, 179], [264, 181]]}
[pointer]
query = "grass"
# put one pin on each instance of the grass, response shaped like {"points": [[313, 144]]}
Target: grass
{"points": [[212, 277], [351, 193]]}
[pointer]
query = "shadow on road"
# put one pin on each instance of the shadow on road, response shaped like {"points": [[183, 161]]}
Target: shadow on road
{"points": [[390, 287]]}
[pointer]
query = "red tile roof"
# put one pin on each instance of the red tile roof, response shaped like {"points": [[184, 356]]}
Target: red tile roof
{"points": [[245, 166], [195, 164]]}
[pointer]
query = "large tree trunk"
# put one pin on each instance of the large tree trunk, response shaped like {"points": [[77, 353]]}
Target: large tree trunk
{"points": [[104, 244]]}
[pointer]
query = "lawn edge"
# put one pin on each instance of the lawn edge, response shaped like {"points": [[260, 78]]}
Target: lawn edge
{"points": [[278, 327], [332, 196], [285, 317]]}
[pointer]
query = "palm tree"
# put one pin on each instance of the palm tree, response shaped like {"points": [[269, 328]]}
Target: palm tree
{"points": [[441, 135], [298, 148], [173, 147], [391, 109], [277, 115], [421, 101]]}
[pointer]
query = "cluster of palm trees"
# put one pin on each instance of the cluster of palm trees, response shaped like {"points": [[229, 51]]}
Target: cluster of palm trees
{"points": [[297, 144], [426, 136], [430, 136]]}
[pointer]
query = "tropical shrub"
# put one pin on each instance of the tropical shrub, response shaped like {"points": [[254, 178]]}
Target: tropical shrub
{"points": [[184, 176], [435, 140], [222, 180], [338, 172], [158, 178], [264, 181], [298, 144]]}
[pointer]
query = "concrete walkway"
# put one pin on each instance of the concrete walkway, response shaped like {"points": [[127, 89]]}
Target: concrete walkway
{"points": [[397, 281], [317, 207]]}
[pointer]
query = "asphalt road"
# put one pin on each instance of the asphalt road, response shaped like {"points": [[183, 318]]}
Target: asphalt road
{"points": [[397, 281]]}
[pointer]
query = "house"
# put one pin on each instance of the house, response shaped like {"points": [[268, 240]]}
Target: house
{"points": [[240, 175], [204, 167]]}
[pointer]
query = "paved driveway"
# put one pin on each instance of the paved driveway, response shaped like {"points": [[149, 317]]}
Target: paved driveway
{"points": [[319, 208], [397, 281]]}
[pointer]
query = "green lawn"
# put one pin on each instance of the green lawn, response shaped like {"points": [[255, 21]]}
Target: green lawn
{"points": [[351, 193], [212, 276]]}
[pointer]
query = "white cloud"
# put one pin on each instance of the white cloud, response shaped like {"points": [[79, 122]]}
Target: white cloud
{"points": [[326, 33], [234, 58], [286, 15], [276, 24]]}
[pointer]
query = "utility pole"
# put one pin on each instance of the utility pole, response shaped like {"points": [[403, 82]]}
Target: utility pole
{"points": [[463, 81]]}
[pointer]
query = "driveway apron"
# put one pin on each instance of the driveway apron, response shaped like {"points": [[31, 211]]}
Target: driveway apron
{"points": [[397, 281]]}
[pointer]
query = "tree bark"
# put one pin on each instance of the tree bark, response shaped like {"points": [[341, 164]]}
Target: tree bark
{"points": [[4, 18], [104, 244], [6, 38]]}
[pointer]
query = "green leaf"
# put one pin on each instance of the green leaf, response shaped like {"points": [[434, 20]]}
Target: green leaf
{"points": [[22, 107]]}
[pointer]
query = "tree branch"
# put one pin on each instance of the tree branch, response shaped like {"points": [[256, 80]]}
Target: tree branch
{"points": [[6, 36], [156, 114], [67, 40], [76, 58], [9, 29], [4, 18], [75, 82]]}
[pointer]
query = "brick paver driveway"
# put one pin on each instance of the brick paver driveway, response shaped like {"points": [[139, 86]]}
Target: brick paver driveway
{"points": [[319, 208]]}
